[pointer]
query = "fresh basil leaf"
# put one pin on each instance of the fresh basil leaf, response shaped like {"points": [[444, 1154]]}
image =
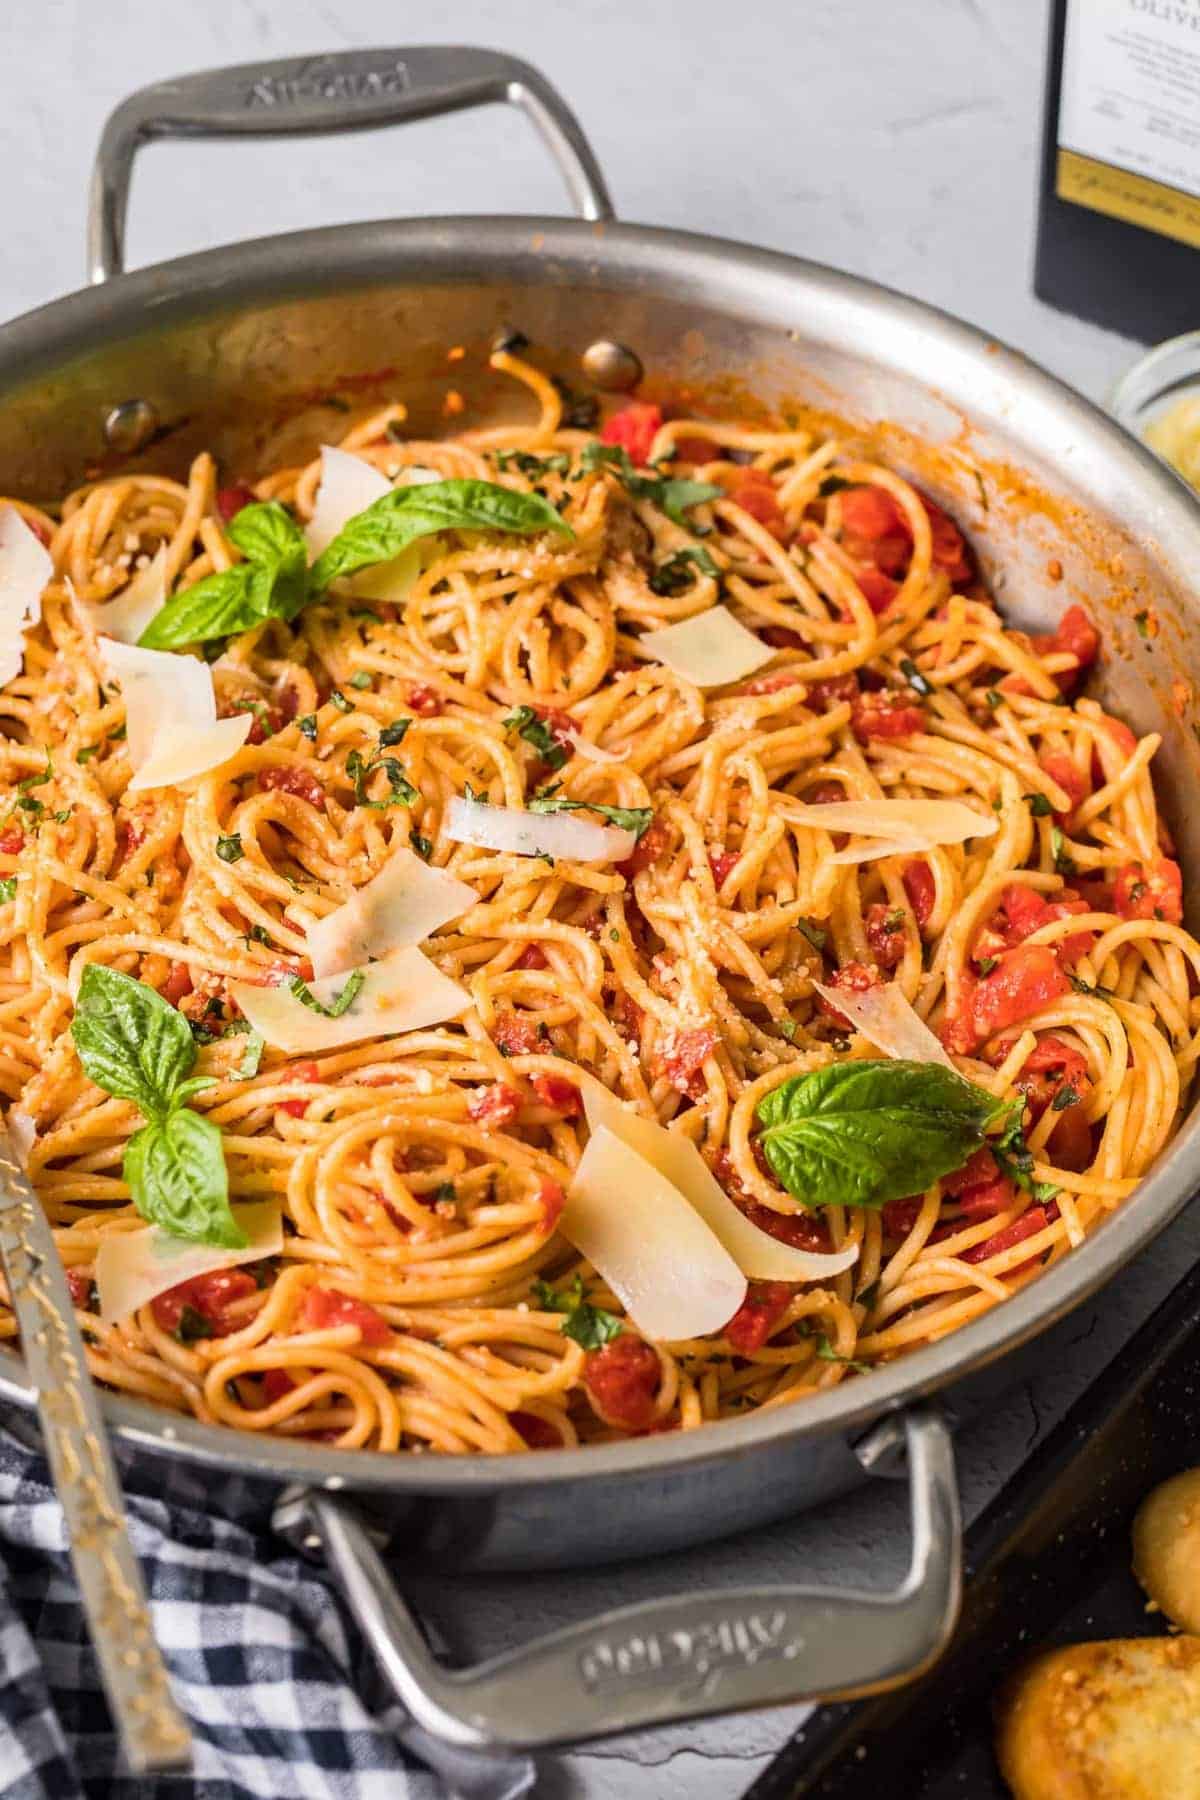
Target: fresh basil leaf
{"points": [[219, 606], [131, 1042], [273, 544], [229, 849], [175, 1168], [394, 734], [862, 1133], [629, 818], [32, 781], [671, 495], [342, 1001], [530, 726], [589, 1326], [396, 520]]}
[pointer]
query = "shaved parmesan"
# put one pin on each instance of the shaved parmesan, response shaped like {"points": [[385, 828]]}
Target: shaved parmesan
{"points": [[172, 729], [556, 835], [403, 992], [348, 486], [710, 649], [667, 1268], [25, 568], [887, 1018], [406, 902], [128, 615], [133, 1267], [677, 1159], [898, 825]]}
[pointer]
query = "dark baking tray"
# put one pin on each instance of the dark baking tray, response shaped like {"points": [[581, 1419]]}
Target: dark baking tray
{"points": [[1046, 1563]]}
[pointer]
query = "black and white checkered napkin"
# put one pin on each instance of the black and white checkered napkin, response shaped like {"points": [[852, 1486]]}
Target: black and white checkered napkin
{"points": [[281, 1694]]}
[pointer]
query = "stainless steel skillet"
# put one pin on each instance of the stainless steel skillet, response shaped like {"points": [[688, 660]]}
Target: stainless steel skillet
{"points": [[144, 368]]}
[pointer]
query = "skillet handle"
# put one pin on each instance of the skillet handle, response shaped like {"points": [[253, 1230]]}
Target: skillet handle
{"points": [[310, 96], [673, 1659]]}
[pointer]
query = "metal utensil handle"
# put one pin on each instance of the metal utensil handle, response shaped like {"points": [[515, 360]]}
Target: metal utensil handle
{"points": [[673, 1659], [308, 96], [152, 1732]]}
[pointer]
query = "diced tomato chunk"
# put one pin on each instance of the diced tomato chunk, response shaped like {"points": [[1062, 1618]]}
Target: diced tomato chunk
{"points": [[1024, 911], [551, 1199], [559, 1094], [494, 1106], [1064, 770], [878, 589], [211, 1296], [980, 1167], [425, 701], [756, 493], [1051, 1066], [721, 862], [275, 1384], [979, 1188], [1076, 636], [532, 957], [307, 1071], [1024, 980], [12, 840], [635, 428], [178, 983], [1149, 891], [515, 1034], [876, 531], [327, 1307], [821, 695], [688, 1054], [885, 933], [646, 851], [802, 1230], [757, 1316], [628, 1017], [622, 1381], [870, 513], [885, 714], [695, 449], [230, 500], [81, 1284], [537, 1433], [1070, 1141], [780, 638], [921, 889], [289, 780], [1028, 1225], [856, 977]]}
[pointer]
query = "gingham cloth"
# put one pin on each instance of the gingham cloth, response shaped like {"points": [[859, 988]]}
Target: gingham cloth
{"points": [[281, 1694]]}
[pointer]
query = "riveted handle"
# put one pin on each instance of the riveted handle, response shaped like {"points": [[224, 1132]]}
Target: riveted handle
{"points": [[347, 90], [677, 1658]]}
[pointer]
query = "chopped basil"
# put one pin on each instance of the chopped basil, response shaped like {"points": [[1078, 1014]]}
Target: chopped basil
{"points": [[401, 791], [914, 677], [394, 734], [338, 699], [422, 845], [588, 1325], [86, 754], [361, 680], [342, 1001], [557, 463], [1039, 805], [670, 495], [827, 1353], [1063, 864], [994, 697], [192, 1325], [8, 889], [1093, 992], [248, 1067], [986, 964], [529, 724], [817, 936], [1142, 621], [628, 818], [32, 781], [788, 1028], [675, 575], [833, 484], [1066, 1096], [307, 727], [229, 849]]}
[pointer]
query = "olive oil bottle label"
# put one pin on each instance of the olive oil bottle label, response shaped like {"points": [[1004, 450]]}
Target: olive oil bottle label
{"points": [[1129, 113]]}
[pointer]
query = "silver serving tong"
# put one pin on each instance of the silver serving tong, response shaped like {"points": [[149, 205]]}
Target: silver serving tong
{"points": [[151, 1729]]}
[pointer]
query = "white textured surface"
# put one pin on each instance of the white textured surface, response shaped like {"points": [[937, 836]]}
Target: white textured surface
{"points": [[897, 141]]}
